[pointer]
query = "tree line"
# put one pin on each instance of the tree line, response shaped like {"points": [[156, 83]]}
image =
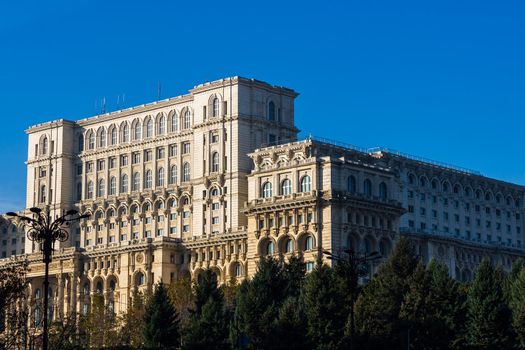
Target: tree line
{"points": [[405, 305]]}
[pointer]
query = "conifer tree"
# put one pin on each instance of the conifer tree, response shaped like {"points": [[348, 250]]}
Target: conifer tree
{"points": [[290, 326], [132, 321], [258, 307], [378, 306], [161, 321], [517, 303], [208, 325], [488, 323], [323, 301]]}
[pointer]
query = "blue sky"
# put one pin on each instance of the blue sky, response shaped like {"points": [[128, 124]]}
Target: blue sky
{"points": [[438, 79]]}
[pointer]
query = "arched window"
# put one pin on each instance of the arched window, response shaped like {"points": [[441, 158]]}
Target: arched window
{"points": [[162, 125], [89, 190], [289, 246], [238, 270], [445, 186], [367, 188], [215, 112], [270, 248], [411, 179], [140, 279], [309, 243], [91, 140], [125, 133], [80, 143], [99, 288], [173, 174], [214, 192], [112, 286], [136, 182], [43, 193], [149, 128], [137, 133], [351, 184], [271, 111], [382, 190], [286, 187], [306, 184], [101, 188], [215, 162], [114, 136], [187, 120], [102, 139], [160, 177], [148, 179], [45, 145], [267, 189], [174, 122], [186, 172], [112, 186], [124, 183]]}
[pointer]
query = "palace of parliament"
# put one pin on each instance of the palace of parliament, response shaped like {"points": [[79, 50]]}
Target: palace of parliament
{"points": [[218, 178]]}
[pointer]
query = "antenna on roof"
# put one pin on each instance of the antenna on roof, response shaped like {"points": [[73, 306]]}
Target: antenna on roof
{"points": [[118, 102], [103, 105], [158, 91]]}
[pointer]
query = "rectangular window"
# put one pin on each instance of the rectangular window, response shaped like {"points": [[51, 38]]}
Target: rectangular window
{"points": [[112, 162], [173, 150], [79, 169], [148, 220], [111, 239], [410, 208], [173, 216], [135, 157], [185, 214], [123, 160], [434, 213], [215, 220], [186, 148], [161, 151], [215, 206], [410, 194], [186, 228], [173, 230], [160, 218], [160, 232], [100, 164], [422, 196], [422, 211], [123, 237], [89, 167], [147, 156]]}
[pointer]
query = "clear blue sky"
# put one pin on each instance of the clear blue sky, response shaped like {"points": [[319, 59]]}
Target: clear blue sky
{"points": [[442, 79]]}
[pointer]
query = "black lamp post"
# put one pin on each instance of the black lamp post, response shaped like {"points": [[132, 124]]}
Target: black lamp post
{"points": [[46, 231], [352, 265]]}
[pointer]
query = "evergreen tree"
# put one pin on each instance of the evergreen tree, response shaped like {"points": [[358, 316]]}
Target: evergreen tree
{"points": [[290, 326], [161, 321], [181, 294], [432, 309], [517, 303], [323, 302], [258, 307], [132, 321], [378, 306], [293, 273], [208, 326], [488, 323]]}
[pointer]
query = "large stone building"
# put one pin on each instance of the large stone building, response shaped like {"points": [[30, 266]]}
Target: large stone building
{"points": [[216, 178]]}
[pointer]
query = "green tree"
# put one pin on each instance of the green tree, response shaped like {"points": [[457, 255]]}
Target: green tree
{"points": [[323, 301], [258, 306], [378, 306], [294, 272], [208, 325], [517, 304], [133, 321], [181, 294], [489, 319], [99, 327], [290, 326], [433, 309], [161, 321]]}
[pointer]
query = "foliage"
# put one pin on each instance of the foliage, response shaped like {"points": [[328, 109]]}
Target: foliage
{"points": [[488, 323], [161, 321]]}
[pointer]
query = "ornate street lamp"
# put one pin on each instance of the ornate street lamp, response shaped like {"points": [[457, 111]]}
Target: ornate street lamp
{"points": [[352, 265], [46, 231]]}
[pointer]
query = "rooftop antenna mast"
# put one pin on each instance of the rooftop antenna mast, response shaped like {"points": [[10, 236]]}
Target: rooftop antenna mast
{"points": [[103, 105], [158, 91]]}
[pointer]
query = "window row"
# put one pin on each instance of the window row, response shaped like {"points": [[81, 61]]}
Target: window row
{"points": [[135, 182], [367, 188], [285, 189]]}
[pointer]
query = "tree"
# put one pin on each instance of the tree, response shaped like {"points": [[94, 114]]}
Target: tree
{"points": [[378, 306], [294, 272], [517, 304], [488, 321], [133, 321], [290, 326], [432, 309], [161, 321], [258, 306], [13, 284], [99, 328], [208, 325], [181, 294], [324, 306]]}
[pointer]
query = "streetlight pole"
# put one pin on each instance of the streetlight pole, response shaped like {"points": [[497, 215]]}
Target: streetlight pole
{"points": [[46, 231], [352, 265]]}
